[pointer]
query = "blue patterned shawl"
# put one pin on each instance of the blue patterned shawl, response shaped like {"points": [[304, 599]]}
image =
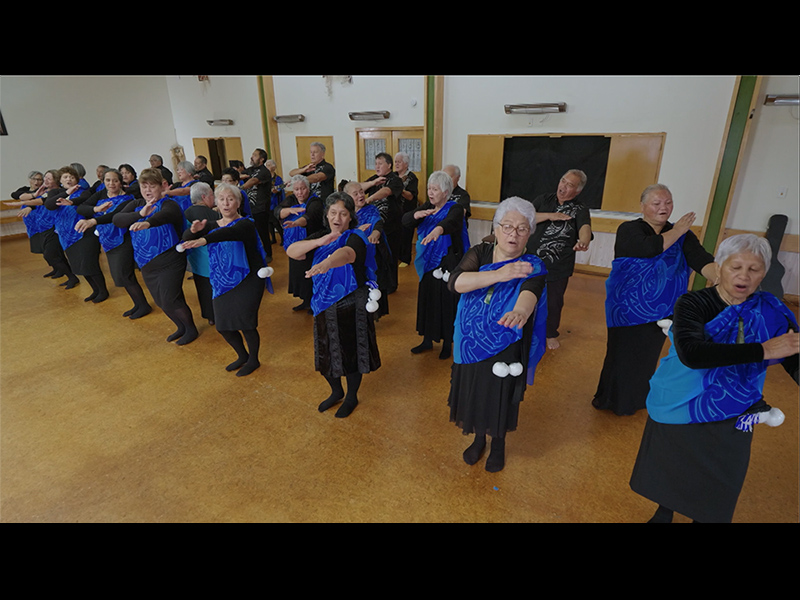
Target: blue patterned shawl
{"points": [[228, 264], [149, 243], [644, 290], [66, 218], [430, 257], [335, 284], [478, 335], [110, 235], [681, 395], [38, 220], [295, 234]]}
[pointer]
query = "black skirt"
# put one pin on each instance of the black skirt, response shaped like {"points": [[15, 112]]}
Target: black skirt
{"points": [[344, 337], [301, 286], [696, 470], [121, 263], [436, 309], [163, 276], [632, 355], [237, 309], [84, 255], [483, 403]]}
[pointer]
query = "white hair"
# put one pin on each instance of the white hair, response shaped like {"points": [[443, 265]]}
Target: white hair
{"points": [[223, 187], [520, 205], [443, 181], [198, 191], [744, 242]]}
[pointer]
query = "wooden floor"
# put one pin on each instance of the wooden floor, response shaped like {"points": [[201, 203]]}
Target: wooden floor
{"points": [[104, 421]]}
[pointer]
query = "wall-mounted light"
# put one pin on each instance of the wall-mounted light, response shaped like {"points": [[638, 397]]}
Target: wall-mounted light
{"points": [[535, 109], [219, 122], [782, 100], [369, 115], [289, 118]]}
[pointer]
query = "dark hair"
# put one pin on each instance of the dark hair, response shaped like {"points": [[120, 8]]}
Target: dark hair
{"points": [[262, 153], [349, 204], [387, 157], [127, 167], [72, 171], [232, 172]]}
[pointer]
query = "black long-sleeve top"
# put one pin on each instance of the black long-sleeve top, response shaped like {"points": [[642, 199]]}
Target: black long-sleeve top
{"points": [[169, 214], [244, 230], [314, 214], [692, 311], [88, 204], [637, 239]]}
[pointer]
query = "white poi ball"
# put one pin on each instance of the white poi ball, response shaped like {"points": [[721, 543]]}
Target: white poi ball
{"points": [[774, 417], [665, 324], [97, 233], [375, 294], [500, 369], [515, 369], [446, 276], [265, 272], [372, 306], [179, 248], [437, 273]]}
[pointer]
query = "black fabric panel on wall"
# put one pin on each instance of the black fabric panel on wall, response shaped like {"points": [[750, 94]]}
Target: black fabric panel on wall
{"points": [[533, 165]]}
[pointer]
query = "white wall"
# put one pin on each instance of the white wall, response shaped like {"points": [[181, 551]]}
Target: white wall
{"points": [[234, 97], [326, 105], [55, 121], [691, 110]]}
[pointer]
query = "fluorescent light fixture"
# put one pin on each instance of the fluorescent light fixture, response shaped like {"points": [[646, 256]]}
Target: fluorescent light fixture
{"points": [[217, 122], [535, 109], [369, 115], [289, 118], [782, 100]]}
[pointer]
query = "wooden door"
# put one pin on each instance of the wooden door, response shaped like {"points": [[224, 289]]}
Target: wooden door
{"points": [[373, 141], [219, 152]]}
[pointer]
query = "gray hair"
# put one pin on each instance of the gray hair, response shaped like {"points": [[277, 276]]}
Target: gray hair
{"points": [[744, 242], [350, 185], [656, 187], [269, 163], [223, 187], [79, 168], [300, 179], [456, 170], [187, 166], [319, 145], [33, 174], [442, 180], [198, 191], [581, 175], [520, 205], [403, 156]]}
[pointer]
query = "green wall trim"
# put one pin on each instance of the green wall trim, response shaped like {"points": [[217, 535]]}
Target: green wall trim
{"points": [[727, 169], [264, 118], [430, 116]]}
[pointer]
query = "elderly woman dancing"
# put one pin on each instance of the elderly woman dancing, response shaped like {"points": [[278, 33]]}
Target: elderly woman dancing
{"points": [[98, 211], [156, 224], [499, 331], [653, 260], [343, 272], [707, 394], [442, 240], [300, 215], [235, 257]]}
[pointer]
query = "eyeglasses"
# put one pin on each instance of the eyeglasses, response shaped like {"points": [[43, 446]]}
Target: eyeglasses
{"points": [[521, 229]]}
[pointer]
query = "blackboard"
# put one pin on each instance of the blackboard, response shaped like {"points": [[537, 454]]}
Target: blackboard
{"points": [[534, 165]]}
